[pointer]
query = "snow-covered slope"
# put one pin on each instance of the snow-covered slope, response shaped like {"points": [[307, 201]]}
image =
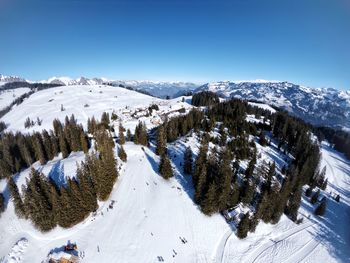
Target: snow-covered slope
{"points": [[150, 216], [8, 96], [155, 88], [329, 107], [88, 101]]}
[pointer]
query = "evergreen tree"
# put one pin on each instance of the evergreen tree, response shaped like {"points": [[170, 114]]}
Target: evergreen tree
{"points": [[2, 203], [128, 135], [225, 179], [122, 154], [315, 196], [262, 139], [63, 145], [294, 204], [209, 203], [84, 141], [321, 209], [247, 192], [39, 148], [250, 169], [17, 200], [308, 192], [243, 226], [161, 141], [121, 134], [105, 120], [188, 161], [165, 169]]}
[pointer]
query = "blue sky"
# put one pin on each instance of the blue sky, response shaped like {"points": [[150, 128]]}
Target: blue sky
{"points": [[306, 42]]}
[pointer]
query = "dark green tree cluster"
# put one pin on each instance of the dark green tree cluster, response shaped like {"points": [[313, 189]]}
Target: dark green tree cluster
{"points": [[18, 151], [215, 179], [47, 204], [339, 138], [181, 125], [205, 98], [141, 135]]}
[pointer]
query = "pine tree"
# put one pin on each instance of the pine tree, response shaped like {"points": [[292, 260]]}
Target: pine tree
{"points": [[308, 192], [105, 120], [315, 196], [250, 169], [209, 203], [248, 191], [262, 139], [243, 226], [161, 141], [188, 161], [225, 178], [84, 142], [165, 169], [39, 148], [321, 209], [2, 203], [128, 135], [17, 200], [294, 204], [122, 154], [63, 145], [121, 134]]}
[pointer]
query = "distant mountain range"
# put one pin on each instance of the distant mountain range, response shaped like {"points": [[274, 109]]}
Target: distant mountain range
{"points": [[326, 106], [318, 106]]}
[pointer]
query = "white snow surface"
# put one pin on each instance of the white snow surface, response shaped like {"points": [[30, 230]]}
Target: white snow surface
{"points": [[151, 215], [8, 96], [86, 101]]}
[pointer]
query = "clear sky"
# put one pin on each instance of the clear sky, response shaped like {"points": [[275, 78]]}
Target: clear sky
{"points": [[302, 41]]}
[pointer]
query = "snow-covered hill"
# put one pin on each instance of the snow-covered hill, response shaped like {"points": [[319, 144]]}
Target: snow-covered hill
{"points": [[328, 107], [155, 88], [8, 96], [88, 101], [151, 217]]}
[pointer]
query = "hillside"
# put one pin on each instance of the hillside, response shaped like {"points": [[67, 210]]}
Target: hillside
{"points": [[148, 218], [328, 107], [85, 102]]}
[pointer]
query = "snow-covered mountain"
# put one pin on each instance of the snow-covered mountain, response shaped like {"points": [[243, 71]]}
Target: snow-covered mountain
{"points": [[79, 81], [319, 106], [155, 88], [5, 79]]}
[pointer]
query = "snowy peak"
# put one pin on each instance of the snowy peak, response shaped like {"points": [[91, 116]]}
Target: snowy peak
{"points": [[6, 79], [318, 106], [155, 88]]}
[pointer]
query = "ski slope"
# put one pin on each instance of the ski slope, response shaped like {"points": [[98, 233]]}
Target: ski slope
{"points": [[152, 215], [149, 217]]}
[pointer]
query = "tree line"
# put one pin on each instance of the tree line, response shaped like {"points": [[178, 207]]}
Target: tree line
{"points": [[19, 151], [47, 204]]}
